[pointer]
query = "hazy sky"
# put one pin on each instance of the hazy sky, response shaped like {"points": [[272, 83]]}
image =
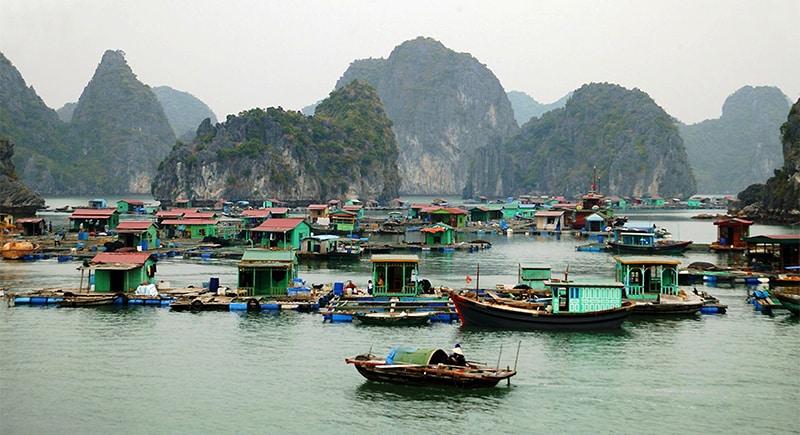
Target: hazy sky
{"points": [[236, 55]]}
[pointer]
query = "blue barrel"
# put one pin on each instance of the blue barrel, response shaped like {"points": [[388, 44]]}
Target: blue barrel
{"points": [[338, 288], [213, 284], [144, 245]]}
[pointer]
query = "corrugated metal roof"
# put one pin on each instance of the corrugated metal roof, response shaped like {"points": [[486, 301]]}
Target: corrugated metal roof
{"points": [[188, 222], [646, 260], [137, 258], [279, 224], [93, 213], [133, 226], [394, 258], [268, 255]]}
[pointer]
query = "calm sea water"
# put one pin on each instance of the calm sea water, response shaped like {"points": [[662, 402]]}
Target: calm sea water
{"points": [[150, 370]]}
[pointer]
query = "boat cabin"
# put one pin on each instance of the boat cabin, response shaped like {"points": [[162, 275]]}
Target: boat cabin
{"points": [[438, 234], [731, 234], [635, 238], [395, 275], [135, 234], [584, 297], [647, 277], [121, 271], [267, 272], [534, 276]]}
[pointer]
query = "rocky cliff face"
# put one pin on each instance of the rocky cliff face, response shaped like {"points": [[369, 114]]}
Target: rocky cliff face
{"points": [[347, 150], [119, 129], [779, 199], [743, 146], [444, 106], [184, 111], [632, 142], [15, 198], [117, 136]]}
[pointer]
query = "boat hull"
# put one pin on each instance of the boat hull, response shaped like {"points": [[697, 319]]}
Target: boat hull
{"points": [[658, 248], [393, 319], [483, 314], [790, 301], [441, 375]]}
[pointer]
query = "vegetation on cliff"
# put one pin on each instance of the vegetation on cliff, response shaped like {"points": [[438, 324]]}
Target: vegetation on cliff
{"points": [[117, 136], [632, 142], [741, 147], [779, 199], [15, 198], [347, 150]]}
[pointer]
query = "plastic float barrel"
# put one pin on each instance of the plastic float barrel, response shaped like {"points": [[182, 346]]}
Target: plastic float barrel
{"points": [[205, 256], [237, 306], [338, 288], [341, 317], [22, 300], [38, 300], [213, 284]]}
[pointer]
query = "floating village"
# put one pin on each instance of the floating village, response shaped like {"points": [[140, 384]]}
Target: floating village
{"points": [[116, 251]]}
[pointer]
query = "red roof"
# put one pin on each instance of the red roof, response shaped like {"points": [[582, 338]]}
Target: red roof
{"points": [[549, 213], [188, 222], [735, 222], [29, 220], [279, 224], [169, 214], [194, 214], [93, 213], [261, 212], [133, 226], [317, 206], [121, 257], [133, 201]]}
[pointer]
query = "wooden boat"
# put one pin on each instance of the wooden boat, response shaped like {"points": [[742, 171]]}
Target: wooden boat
{"points": [[652, 283], [711, 304], [426, 367], [395, 318], [789, 299], [580, 307], [86, 300], [17, 250], [659, 246]]}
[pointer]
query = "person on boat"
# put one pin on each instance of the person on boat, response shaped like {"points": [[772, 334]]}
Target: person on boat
{"points": [[57, 239], [457, 357], [369, 287], [351, 288]]}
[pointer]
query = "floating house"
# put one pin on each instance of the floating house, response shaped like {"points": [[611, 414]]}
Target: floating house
{"points": [[190, 228], [343, 221], [121, 271], [549, 220], [774, 253], [438, 234], [97, 203], [280, 233], [33, 226], [653, 284], [137, 234], [395, 275], [173, 214], [731, 234], [356, 209], [486, 213], [182, 203], [317, 211], [596, 222], [453, 216], [131, 206], [98, 220], [255, 217], [317, 247], [266, 272]]}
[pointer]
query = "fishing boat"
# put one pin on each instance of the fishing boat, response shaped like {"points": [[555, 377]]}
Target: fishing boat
{"points": [[427, 367], [17, 250], [789, 299], [86, 300], [652, 283], [395, 318], [575, 306], [644, 243]]}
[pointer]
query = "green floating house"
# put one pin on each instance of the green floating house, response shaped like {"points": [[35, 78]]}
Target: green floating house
{"points": [[646, 278], [122, 271], [395, 275], [280, 233], [94, 219], [137, 234], [438, 234], [267, 272]]}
